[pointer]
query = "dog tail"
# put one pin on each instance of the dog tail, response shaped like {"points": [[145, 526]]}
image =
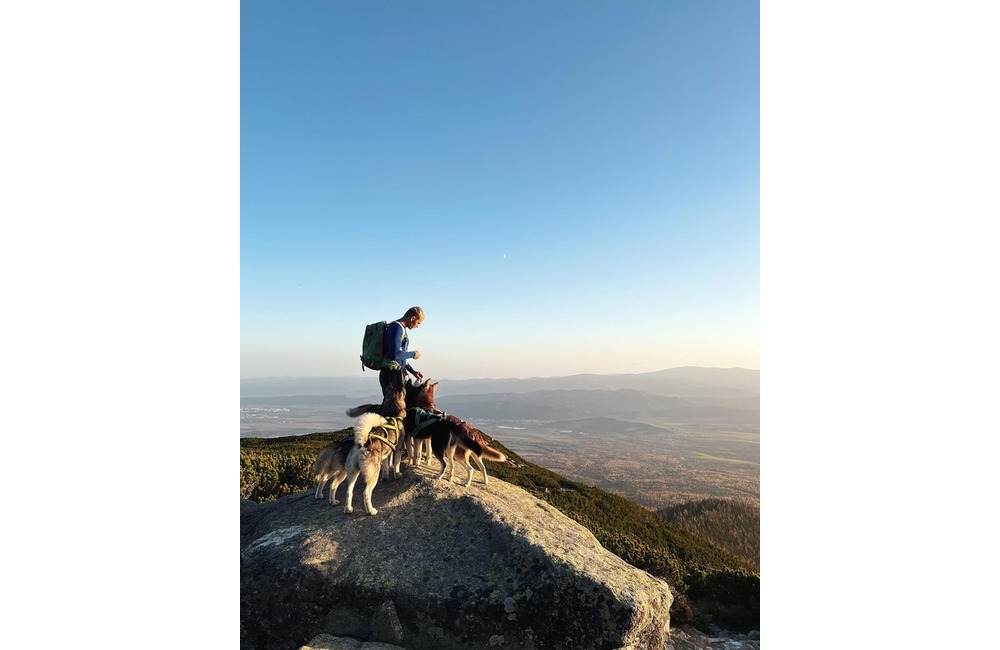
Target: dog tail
{"points": [[476, 443], [482, 447], [489, 453], [366, 423], [320, 463], [364, 408]]}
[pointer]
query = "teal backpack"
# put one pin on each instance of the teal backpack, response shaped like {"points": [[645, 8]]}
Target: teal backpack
{"points": [[372, 354]]}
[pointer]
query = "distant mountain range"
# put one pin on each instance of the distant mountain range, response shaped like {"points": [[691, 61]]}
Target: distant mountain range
{"points": [[700, 386], [691, 395]]}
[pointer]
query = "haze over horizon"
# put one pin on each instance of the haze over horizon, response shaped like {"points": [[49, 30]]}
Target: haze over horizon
{"points": [[443, 377], [565, 188]]}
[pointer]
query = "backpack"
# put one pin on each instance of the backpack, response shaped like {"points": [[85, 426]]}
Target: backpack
{"points": [[372, 354]]}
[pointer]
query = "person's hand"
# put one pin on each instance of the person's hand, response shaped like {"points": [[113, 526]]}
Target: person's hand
{"points": [[416, 354], [418, 375]]}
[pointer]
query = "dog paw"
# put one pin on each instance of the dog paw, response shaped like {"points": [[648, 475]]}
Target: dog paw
{"points": [[374, 511], [348, 510], [335, 503]]}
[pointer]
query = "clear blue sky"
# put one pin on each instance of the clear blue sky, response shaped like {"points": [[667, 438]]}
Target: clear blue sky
{"points": [[564, 187]]}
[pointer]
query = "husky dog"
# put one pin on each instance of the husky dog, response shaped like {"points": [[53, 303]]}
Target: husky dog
{"points": [[414, 449], [450, 438], [443, 435], [417, 448], [393, 407], [375, 441], [331, 464], [465, 446]]}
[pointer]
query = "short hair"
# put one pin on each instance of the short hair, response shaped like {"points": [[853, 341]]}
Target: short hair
{"points": [[413, 311]]}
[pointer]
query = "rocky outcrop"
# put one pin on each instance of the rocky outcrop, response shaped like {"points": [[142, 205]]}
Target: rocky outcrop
{"points": [[440, 566]]}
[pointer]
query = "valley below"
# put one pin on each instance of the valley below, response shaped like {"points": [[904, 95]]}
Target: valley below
{"points": [[658, 439], [655, 469], [656, 462]]}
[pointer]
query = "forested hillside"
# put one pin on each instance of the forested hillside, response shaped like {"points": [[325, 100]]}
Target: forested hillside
{"points": [[731, 525]]}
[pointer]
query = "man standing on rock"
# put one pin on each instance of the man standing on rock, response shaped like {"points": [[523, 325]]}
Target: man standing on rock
{"points": [[396, 343]]}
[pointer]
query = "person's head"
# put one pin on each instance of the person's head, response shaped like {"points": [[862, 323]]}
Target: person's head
{"points": [[413, 317]]}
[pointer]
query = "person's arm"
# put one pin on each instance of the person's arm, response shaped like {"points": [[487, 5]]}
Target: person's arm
{"points": [[396, 345]]}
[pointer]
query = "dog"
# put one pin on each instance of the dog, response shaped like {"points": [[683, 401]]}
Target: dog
{"points": [[412, 397], [331, 464], [466, 442], [445, 436], [417, 448], [393, 407], [375, 441]]}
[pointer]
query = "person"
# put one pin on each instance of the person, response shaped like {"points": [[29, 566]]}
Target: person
{"points": [[397, 342]]}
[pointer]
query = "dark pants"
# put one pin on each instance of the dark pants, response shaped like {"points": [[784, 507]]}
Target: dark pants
{"points": [[387, 377]]}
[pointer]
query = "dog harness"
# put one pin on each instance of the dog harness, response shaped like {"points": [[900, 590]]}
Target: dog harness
{"points": [[422, 418], [441, 415], [391, 423]]}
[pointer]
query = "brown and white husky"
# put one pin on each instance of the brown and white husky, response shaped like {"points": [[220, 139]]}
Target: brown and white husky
{"points": [[375, 442], [393, 407], [332, 462]]}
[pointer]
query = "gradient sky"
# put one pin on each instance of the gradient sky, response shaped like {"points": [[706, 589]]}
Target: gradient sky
{"points": [[564, 187]]}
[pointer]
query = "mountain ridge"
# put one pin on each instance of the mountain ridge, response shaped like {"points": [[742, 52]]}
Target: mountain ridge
{"points": [[688, 381]]}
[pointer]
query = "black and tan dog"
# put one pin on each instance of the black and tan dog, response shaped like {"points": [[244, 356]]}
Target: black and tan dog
{"points": [[464, 442]]}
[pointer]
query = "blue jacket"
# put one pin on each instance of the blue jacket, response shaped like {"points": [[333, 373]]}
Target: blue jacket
{"points": [[396, 341]]}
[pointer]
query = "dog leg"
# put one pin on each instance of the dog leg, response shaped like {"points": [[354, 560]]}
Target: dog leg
{"points": [[352, 478], [338, 478], [439, 445], [371, 480], [468, 468], [397, 459], [482, 468], [450, 454], [320, 483]]}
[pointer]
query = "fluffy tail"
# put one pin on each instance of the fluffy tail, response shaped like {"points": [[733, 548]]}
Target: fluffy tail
{"points": [[366, 423], [482, 447], [489, 453], [364, 408], [320, 464], [476, 443]]}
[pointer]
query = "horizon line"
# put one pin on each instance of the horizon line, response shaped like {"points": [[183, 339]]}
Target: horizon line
{"points": [[577, 374]]}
